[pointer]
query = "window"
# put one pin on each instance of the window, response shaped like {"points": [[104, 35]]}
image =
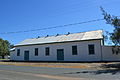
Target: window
{"points": [[36, 51], [91, 49], [47, 51], [74, 50], [18, 52]]}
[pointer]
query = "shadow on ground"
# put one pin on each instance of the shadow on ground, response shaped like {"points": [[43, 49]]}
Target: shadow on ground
{"points": [[113, 68]]}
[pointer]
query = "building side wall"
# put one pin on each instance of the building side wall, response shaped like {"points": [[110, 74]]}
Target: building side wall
{"points": [[82, 49], [12, 55], [108, 54]]}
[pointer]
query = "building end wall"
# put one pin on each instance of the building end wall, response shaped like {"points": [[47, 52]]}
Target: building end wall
{"points": [[108, 54]]}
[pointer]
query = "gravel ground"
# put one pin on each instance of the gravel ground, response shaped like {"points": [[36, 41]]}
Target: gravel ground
{"points": [[12, 72]]}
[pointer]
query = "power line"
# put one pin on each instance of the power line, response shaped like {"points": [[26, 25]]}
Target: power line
{"points": [[65, 25]]}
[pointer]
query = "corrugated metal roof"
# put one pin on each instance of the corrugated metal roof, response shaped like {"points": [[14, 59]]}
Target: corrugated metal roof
{"points": [[64, 38]]}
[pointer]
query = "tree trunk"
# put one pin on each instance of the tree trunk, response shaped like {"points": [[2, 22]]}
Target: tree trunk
{"points": [[3, 57]]}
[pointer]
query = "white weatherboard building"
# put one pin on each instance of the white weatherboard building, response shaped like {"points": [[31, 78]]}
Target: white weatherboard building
{"points": [[84, 46]]}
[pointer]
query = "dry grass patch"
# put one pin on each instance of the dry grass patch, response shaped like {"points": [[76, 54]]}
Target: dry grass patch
{"points": [[57, 65]]}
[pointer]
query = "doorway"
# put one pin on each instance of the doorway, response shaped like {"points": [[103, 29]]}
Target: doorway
{"points": [[26, 55], [60, 54]]}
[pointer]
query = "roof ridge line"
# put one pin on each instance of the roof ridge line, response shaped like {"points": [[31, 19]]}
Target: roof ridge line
{"points": [[65, 34]]}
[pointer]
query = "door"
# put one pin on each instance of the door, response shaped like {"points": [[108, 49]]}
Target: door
{"points": [[26, 55], [60, 54]]}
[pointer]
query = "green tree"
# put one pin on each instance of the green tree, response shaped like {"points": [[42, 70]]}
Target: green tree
{"points": [[4, 47], [114, 21]]}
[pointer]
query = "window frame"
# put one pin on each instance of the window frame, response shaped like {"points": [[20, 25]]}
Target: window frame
{"points": [[36, 51], [74, 50], [47, 51], [18, 52], [91, 50]]}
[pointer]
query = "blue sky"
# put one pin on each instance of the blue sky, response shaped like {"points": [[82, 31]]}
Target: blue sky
{"points": [[21, 15]]}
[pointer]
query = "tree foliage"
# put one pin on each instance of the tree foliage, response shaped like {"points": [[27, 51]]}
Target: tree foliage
{"points": [[114, 21], [4, 47]]}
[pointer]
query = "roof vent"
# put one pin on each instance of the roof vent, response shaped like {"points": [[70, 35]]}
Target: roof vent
{"points": [[38, 37], [68, 33], [57, 34], [47, 36]]}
